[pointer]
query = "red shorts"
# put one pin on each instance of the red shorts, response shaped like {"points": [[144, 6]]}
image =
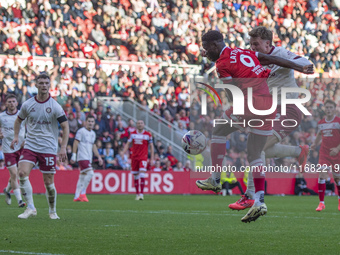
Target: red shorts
{"points": [[138, 165], [292, 113], [47, 162], [330, 162], [12, 159], [84, 165], [257, 123]]}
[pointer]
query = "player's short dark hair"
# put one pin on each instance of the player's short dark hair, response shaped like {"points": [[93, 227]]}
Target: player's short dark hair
{"points": [[329, 101], [42, 76], [262, 32], [90, 117], [10, 95], [212, 36]]}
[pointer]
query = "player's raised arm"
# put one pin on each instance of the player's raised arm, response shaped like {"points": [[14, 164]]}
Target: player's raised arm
{"points": [[17, 125], [74, 151], [96, 153], [299, 66], [66, 132]]}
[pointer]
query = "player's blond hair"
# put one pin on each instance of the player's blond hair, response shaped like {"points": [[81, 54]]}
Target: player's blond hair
{"points": [[262, 32]]}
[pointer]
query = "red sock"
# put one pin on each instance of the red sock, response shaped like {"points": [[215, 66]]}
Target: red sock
{"points": [[338, 190], [137, 186], [259, 178], [321, 190], [142, 184], [217, 152], [218, 149]]}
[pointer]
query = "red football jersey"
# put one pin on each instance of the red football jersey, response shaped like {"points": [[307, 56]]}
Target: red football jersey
{"points": [[140, 144], [244, 69], [330, 131]]}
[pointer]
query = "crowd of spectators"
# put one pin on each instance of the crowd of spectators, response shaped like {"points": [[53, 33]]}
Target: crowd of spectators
{"points": [[154, 32], [160, 30]]}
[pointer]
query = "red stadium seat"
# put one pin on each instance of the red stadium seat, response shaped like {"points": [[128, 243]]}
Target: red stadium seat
{"points": [[124, 52], [123, 58], [74, 54], [126, 4], [14, 24], [146, 20], [105, 49], [88, 21], [133, 58], [79, 21]]}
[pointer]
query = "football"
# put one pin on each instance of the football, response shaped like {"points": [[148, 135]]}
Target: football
{"points": [[194, 142]]}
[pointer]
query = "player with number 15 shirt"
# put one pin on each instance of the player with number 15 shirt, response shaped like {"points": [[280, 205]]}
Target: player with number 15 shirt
{"points": [[43, 114]]}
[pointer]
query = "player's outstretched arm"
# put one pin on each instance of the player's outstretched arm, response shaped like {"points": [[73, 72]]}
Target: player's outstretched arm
{"points": [[96, 153], [74, 152], [17, 125], [266, 59], [64, 139]]}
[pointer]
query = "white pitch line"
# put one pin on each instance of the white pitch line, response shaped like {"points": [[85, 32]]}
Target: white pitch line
{"points": [[198, 213], [26, 252]]}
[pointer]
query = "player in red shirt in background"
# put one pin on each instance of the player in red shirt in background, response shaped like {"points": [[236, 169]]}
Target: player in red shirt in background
{"points": [[242, 68], [140, 140], [329, 154]]}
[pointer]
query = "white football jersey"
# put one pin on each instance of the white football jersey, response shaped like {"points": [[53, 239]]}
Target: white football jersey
{"points": [[86, 140], [42, 124], [283, 77], [7, 128]]}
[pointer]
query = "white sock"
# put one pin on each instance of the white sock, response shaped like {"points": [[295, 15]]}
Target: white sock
{"points": [[80, 185], [281, 151], [51, 195], [339, 197], [27, 192], [263, 157], [250, 186], [17, 194], [259, 198], [88, 178], [8, 187], [216, 176]]}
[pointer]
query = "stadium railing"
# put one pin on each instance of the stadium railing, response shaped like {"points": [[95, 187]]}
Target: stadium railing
{"points": [[161, 129], [107, 65]]}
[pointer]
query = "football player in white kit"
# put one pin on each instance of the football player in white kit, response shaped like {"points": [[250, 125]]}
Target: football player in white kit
{"points": [[83, 148], [280, 77], [43, 114], [7, 119]]}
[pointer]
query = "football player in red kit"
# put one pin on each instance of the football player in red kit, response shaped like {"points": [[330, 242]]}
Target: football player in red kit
{"points": [[243, 69], [140, 141], [329, 154]]}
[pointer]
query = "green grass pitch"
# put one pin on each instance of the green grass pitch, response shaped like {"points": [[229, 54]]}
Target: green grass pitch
{"points": [[170, 224]]}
